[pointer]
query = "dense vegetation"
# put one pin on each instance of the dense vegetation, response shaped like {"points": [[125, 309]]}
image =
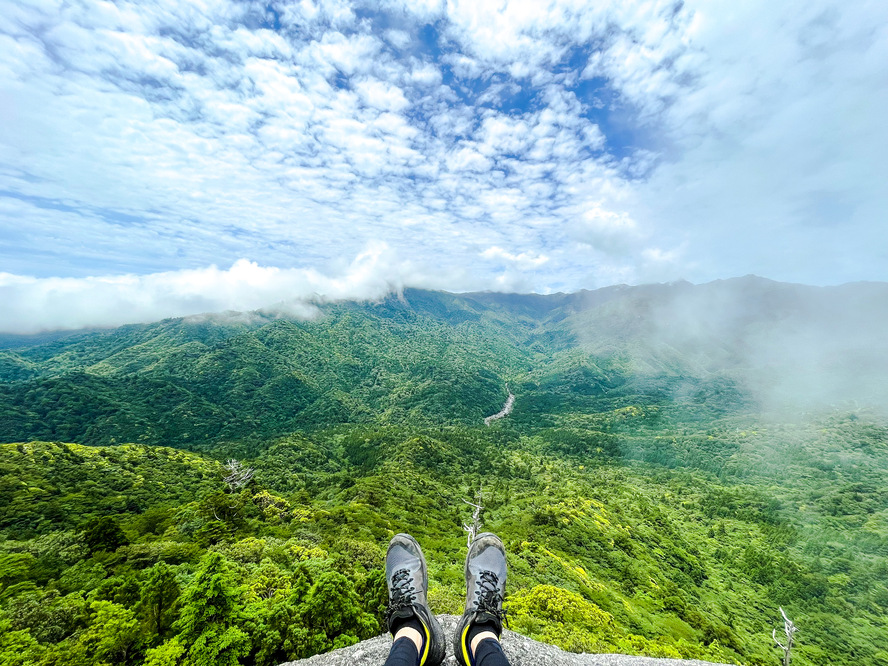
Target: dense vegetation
{"points": [[648, 502]]}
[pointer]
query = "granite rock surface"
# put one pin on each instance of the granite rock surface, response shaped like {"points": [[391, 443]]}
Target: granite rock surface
{"points": [[520, 650]]}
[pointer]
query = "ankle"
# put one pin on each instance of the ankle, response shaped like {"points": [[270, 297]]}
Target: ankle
{"points": [[486, 626], [481, 636], [412, 634]]}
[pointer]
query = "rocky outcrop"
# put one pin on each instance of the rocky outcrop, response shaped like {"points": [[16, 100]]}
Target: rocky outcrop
{"points": [[520, 650]]}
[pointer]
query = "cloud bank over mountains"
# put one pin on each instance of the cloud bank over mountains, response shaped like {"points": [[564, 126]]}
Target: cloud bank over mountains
{"points": [[545, 146], [36, 304]]}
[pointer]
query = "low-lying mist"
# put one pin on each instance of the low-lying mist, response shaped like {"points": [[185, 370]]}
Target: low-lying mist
{"points": [[791, 348]]}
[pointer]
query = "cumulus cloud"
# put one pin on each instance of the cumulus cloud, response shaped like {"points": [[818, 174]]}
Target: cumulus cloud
{"points": [[524, 259], [607, 231], [773, 143], [35, 304], [621, 140]]}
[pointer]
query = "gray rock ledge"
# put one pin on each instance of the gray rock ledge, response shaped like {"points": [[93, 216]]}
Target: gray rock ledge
{"points": [[520, 650]]}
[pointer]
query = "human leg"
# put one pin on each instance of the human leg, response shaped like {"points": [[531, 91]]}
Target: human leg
{"points": [[404, 652], [476, 641], [489, 652], [419, 640]]}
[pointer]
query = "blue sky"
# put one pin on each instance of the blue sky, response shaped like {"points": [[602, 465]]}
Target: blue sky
{"points": [[167, 158]]}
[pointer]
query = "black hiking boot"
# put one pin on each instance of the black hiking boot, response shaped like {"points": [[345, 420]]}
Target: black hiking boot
{"points": [[405, 573], [485, 589]]}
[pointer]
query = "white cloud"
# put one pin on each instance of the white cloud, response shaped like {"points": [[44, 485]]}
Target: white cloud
{"points": [[776, 142], [381, 95], [467, 158], [621, 140], [34, 304], [425, 74], [350, 55], [464, 67], [524, 259], [609, 232], [398, 38]]}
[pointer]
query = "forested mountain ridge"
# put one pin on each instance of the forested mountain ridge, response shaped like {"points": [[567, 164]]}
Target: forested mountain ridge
{"points": [[432, 357], [272, 378], [661, 486]]}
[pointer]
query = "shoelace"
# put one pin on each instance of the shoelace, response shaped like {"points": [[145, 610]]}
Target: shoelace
{"points": [[490, 599], [401, 593]]}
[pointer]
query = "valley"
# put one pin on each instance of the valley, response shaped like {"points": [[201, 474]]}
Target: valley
{"points": [[667, 465]]}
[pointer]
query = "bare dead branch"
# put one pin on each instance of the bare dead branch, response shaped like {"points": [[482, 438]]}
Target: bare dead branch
{"points": [[774, 636], [238, 475], [789, 629], [475, 527]]}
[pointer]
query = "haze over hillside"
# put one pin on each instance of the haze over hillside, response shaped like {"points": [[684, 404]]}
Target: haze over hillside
{"points": [[746, 341]]}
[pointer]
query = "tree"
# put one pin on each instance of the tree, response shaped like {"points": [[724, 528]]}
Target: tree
{"points": [[789, 629], [268, 580], [333, 614], [17, 646], [373, 592], [123, 590], [47, 616], [167, 654], [238, 475], [158, 599], [14, 574], [274, 509], [222, 513], [277, 625], [208, 625], [109, 637], [475, 527], [103, 534]]}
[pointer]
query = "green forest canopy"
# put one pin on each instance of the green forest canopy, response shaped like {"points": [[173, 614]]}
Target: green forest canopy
{"points": [[650, 502]]}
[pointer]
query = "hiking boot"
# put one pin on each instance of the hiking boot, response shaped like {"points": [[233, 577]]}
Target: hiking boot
{"points": [[485, 589], [405, 573]]}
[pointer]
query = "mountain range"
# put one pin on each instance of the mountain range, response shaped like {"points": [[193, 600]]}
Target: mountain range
{"points": [[433, 357], [680, 462]]}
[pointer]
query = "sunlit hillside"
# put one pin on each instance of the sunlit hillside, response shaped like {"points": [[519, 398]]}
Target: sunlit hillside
{"points": [[680, 461]]}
